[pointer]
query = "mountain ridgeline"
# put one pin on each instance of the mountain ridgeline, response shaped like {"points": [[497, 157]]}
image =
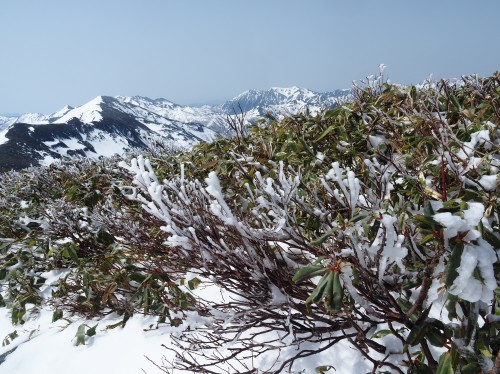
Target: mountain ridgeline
{"points": [[114, 125]]}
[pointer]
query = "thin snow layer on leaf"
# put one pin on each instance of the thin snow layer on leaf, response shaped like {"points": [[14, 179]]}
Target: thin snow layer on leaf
{"points": [[474, 214], [277, 297], [393, 251], [347, 281], [466, 286], [220, 207], [455, 224], [375, 141], [477, 138], [435, 291], [392, 344], [350, 186], [477, 254], [488, 182]]}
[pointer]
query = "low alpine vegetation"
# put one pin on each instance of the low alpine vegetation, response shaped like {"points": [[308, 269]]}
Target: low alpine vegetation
{"points": [[375, 222]]}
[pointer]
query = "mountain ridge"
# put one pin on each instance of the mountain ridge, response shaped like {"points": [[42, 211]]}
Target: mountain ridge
{"points": [[116, 124]]}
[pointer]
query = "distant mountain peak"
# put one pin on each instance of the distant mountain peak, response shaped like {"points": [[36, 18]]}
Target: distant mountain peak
{"points": [[87, 113], [287, 90], [282, 99], [106, 125]]}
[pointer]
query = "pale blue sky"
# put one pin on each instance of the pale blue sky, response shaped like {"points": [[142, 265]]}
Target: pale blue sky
{"points": [[58, 52]]}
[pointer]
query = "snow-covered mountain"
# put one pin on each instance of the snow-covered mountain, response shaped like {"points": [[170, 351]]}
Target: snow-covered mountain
{"points": [[36, 118], [107, 125], [281, 101]]}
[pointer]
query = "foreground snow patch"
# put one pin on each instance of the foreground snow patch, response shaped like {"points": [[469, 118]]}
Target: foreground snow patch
{"points": [[44, 347]]}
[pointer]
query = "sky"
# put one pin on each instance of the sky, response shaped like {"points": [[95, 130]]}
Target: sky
{"points": [[59, 52]]}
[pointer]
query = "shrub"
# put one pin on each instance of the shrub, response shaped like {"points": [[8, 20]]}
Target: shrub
{"points": [[371, 222], [359, 223]]}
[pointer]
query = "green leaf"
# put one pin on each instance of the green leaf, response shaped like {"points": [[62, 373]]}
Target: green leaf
{"points": [[319, 292], [324, 133], [104, 237], [428, 211], [329, 293], [444, 366], [415, 336], [451, 306], [421, 368], [483, 348], [92, 198], [322, 238], [332, 113], [426, 222], [381, 334], [426, 239], [405, 305], [436, 337], [454, 262], [193, 283], [358, 217], [455, 102], [138, 277], [471, 368], [80, 335], [338, 291], [323, 369], [69, 252], [57, 315], [91, 331], [309, 271], [451, 206], [114, 325]]}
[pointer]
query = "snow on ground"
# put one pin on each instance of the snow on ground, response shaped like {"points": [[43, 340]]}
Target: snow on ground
{"points": [[51, 347], [106, 145], [3, 138], [103, 144], [47, 160], [46, 347]]}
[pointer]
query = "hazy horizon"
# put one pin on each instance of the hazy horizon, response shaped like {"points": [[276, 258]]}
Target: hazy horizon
{"points": [[58, 53]]}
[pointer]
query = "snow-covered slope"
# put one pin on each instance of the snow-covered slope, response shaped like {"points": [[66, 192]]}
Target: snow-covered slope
{"points": [[107, 125], [6, 121], [40, 119]]}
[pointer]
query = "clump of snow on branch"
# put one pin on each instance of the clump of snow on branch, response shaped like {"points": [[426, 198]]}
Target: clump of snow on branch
{"points": [[477, 254]]}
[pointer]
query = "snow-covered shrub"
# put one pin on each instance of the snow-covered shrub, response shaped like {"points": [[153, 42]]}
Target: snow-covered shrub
{"points": [[72, 218], [374, 222]]}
